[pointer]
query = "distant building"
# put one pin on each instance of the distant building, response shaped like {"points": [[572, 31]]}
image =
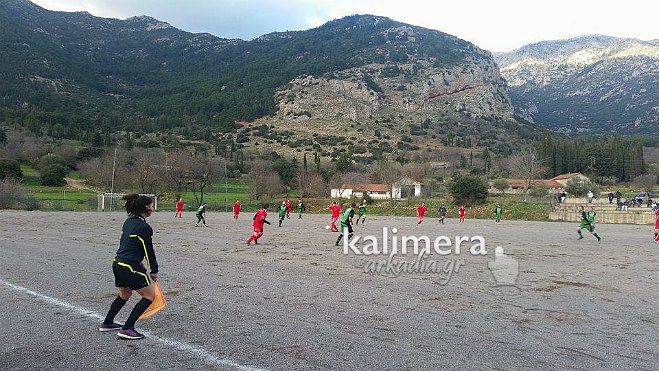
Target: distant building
{"points": [[376, 191], [517, 185], [563, 178], [406, 187]]}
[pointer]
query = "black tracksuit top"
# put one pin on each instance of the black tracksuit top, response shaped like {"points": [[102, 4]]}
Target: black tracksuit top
{"points": [[136, 245]]}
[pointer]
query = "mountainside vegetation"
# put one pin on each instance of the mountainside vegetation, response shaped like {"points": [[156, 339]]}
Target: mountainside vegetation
{"points": [[591, 84]]}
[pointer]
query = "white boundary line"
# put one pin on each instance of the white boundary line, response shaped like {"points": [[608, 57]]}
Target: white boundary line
{"points": [[179, 345]]}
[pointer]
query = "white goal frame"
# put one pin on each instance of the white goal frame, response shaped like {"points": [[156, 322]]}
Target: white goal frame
{"points": [[108, 201]]}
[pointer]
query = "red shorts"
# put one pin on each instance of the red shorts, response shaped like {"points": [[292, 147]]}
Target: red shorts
{"points": [[258, 230]]}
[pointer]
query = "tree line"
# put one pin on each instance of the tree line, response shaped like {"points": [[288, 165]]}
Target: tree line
{"points": [[618, 157]]}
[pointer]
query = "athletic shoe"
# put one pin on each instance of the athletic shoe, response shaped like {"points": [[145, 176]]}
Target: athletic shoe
{"points": [[130, 334], [111, 327], [580, 238], [599, 238]]}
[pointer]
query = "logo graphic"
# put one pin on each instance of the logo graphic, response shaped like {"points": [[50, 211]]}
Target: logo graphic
{"points": [[504, 268]]}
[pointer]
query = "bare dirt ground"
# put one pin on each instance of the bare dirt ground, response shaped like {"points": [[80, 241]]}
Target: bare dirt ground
{"points": [[78, 184], [296, 302]]}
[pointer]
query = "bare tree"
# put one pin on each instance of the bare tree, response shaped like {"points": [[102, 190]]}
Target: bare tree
{"points": [[98, 171], [316, 186], [389, 173], [264, 180], [201, 173], [527, 165], [353, 177], [23, 146], [148, 170], [413, 171], [177, 166]]}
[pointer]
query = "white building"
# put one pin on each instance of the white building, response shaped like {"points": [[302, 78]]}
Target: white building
{"points": [[406, 187], [402, 189], [375, 191]]}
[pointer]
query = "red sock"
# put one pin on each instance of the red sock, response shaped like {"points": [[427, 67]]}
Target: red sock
{"points": [[251, 238]]}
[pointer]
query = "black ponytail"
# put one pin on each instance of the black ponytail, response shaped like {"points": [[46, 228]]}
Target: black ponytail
{"points": [[136, 204]]}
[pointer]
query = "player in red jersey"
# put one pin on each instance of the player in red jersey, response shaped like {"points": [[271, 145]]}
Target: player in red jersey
{"points": [[289, 207], [461, 212], [179, 208], [236, 210], [421, 211], [259, 220], [656, 226], [336, 211]]}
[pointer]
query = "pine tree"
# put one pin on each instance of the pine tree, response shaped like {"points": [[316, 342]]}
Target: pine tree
{"points": [[304, 163], [316, 160]]}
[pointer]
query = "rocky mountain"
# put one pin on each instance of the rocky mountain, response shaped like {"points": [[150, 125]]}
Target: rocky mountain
{"points": [[596, 84], [366, 84]]}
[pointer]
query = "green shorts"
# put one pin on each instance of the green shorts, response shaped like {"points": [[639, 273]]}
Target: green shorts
{"points": [[586, 225]]}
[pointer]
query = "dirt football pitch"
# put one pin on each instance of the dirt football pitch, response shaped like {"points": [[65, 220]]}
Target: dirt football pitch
{"points": [[296, 301]]}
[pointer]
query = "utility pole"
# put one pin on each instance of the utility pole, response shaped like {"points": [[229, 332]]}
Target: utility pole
{"points": [[226, 182], [114, 166]]}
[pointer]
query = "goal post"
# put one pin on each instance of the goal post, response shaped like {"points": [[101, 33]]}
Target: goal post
{"points": [[114, 201]]}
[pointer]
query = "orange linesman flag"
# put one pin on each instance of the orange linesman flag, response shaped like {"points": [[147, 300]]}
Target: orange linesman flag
{"points": [[159, 303]]}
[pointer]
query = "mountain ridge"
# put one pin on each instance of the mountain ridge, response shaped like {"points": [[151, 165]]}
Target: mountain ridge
{"points": [[583, 84], [75, 73]]}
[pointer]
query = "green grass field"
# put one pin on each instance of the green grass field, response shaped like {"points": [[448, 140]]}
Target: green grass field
{"points": [[220, 198], [56, 198], [514, 208]]}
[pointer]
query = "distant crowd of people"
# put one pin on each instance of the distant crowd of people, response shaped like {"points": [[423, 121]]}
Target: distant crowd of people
{"points": [[639, 200]]}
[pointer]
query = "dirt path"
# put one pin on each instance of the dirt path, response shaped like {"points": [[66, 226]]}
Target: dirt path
{"points": [[78, 184]]}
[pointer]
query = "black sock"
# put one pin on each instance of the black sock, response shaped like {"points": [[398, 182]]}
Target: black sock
{"points": [[580, 235], [137, 311], [596, 236], [339, 239], [116, 306]]}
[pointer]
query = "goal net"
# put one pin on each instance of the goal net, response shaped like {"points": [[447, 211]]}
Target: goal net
{"points": [[114, 201]]}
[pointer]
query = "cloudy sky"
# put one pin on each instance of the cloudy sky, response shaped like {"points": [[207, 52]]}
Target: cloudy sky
{"points": [[496, 25]]}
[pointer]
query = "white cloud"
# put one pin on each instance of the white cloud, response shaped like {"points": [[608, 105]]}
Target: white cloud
{"points": [[493, 25]]}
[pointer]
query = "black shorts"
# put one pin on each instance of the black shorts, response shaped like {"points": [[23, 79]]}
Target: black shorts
{"points": [[133, 276], [347, 225]]}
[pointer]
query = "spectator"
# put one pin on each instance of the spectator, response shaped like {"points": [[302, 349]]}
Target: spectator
{"points": [[610, 197], [639, 198], [590, 196]]}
